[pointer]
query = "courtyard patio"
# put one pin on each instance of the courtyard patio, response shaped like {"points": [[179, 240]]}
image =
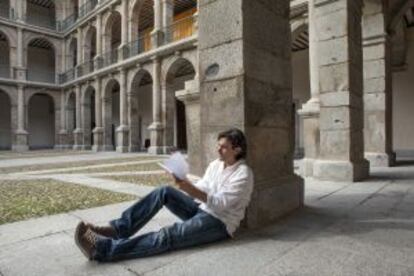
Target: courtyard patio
{"points": [[363, 228]]}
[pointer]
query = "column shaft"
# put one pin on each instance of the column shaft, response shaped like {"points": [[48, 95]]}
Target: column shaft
{"points": [[246, 83], [377, 86], [123, 129], [341, 156], [21, 135]]}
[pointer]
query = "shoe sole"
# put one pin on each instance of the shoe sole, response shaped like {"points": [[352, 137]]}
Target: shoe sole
{"points": [[77, 241]]}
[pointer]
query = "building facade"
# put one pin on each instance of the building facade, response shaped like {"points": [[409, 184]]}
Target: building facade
{"points": [[329, 79]]}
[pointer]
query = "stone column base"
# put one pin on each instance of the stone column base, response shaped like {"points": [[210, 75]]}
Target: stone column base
{"points": [[156, 146], [21, 141], [155, 150], [334, 170], [63, 141], [275, 199], [97, 139], [77, 137], [134, 148], [108, 148], [379, 159], [122, 133]]}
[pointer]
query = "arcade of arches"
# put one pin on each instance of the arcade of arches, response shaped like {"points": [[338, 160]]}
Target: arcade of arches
{"points": [[331, 83]]}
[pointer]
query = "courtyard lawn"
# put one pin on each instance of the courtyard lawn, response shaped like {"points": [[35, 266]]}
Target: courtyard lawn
{"points": [[123, 168], [147, 180], [63, 165], [23, 199]]}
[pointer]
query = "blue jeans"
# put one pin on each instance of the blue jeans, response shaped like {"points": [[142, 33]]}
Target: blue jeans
{"points": [[197, 227]]}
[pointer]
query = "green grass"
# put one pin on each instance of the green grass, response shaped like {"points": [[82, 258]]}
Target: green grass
{"points": [[28, 168], [123, 168], [24, 199], [147, 180]]}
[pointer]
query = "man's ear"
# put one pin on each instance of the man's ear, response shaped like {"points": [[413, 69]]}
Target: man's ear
{"points": [[238, 149]]}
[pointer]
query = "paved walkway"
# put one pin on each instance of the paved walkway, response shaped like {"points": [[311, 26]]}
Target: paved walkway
{"points": [[362, 228]]}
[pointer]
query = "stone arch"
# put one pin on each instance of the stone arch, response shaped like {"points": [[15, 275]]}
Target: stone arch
{"points": [[41, 121], [180, 71], [5, 67], [140, 111], [41, 60], [141, 21], [5, 121], [111, 112], [41, 13], [112, 37]]}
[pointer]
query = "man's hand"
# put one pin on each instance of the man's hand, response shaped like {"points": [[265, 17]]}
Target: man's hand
{"points": [[189, 188]]}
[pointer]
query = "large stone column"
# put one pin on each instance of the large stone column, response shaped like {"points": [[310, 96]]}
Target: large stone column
{"points": [[191, 98], [123, 129], [245, 75], [377, 85], [157, 34], [98, 130], [156, 127], [78, 132], [341, 156], [310, 111], [21, 135]]}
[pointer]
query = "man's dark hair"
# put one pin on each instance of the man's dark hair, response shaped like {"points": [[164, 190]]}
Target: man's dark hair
{"points": [[237, 139]]}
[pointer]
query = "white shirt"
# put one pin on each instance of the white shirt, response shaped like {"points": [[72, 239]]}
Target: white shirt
{"points": [[228, 192]]}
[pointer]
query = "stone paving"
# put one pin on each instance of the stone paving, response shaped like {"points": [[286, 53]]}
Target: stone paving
{"points": [[364, 228]]}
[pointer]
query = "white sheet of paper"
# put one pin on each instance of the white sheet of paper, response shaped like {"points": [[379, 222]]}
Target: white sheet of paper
{"points": [[176, 165]]}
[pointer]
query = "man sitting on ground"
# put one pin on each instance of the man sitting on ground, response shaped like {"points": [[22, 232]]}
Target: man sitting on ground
{"points": [[210, 210]]}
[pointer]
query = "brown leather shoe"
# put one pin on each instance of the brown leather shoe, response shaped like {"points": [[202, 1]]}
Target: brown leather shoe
{"points": [[79, 232], [106, 231], [87, 242]]}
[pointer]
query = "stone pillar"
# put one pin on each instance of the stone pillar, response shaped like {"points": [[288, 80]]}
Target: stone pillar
{"points": [[20, 70], [168, 107], [98, 130], [245, 75], [21, 135], [133, 122], [156, 127], [157, 34], [310, 111], [123, 130], [78, 132], [86, 121], [377, 85], [341, 156], [98, 57], [122, 50], [63, 133], [191, 98]]}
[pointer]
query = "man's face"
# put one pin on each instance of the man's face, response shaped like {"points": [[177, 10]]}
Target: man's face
{"points": [[226, 151]]}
